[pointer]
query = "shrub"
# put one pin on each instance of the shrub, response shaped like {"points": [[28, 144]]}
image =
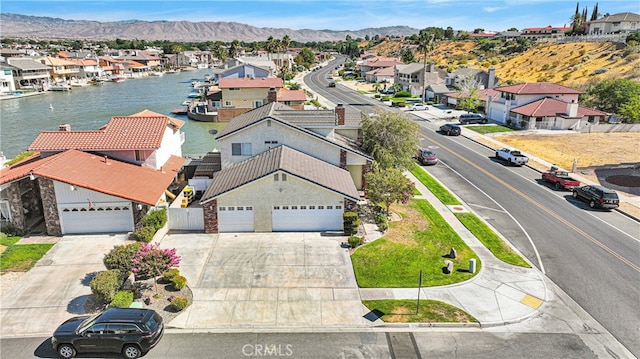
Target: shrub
{"points": [[123, 299], [382, 222], [351, 223], [105, 284], [170, 274], [354, 241], [156, 219], [10, 230], [143, 234], [120, 257], [402, 94], [179, 282], [179, 303]]}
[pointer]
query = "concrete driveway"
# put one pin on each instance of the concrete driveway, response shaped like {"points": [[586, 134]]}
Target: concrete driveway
{"points": [[57, 287], [267, 280]]}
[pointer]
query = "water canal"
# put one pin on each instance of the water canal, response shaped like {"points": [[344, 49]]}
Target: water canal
{"points": [[89, 108]]}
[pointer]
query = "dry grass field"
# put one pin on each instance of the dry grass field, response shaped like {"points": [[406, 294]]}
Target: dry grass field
{"points": [[590, 149]]}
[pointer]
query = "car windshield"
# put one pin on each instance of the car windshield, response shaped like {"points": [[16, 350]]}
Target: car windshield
{"points": [[427, 154], [88, 322]]}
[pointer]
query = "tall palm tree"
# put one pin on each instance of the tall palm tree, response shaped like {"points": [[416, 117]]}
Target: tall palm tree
{"points": [[426, 44], [234, 49]]}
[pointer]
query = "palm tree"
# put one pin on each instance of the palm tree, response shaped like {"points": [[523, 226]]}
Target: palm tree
{"points": [[425, 45], [234, 49]]}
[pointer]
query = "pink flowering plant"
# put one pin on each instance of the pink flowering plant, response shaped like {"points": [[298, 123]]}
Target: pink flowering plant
{"points": [[151, 261]]}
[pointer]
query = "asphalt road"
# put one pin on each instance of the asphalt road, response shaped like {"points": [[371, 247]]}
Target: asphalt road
{"points": [[593, 255], [349, 345]]}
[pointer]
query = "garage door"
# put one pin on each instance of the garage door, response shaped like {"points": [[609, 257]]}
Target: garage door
{"points": [[306, 218], [99, 219], [235, 219]]}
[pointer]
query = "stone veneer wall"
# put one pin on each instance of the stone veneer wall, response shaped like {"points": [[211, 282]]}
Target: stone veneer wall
{"points": [[50, 207], [350, 206], [211, 217], [343, 159], [368, 167], [17, 209]]}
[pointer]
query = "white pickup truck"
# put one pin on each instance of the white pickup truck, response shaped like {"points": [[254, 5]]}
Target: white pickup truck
{"points": [[512, 156]]}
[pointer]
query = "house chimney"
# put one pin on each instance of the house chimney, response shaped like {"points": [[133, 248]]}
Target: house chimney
{"points": [[272, 95], [432, 67], [340, 114], [491, 83], [572, 109], [64, 127]]}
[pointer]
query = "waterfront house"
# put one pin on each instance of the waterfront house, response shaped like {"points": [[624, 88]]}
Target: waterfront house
{"points": [[61, 70], [240, 95], [238, 70], [94, 181], [7, 84], [87, 69], [29, 74], [286, 170]]}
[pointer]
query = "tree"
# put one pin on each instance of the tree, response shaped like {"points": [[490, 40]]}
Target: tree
{"points": [[407, 56], [611, 95], [151, 261], [478, 31], [388, 186], [390, 138], [630, 111], [594, 14], [469, 100], [234, 49], [425, 45], [448, 33]]}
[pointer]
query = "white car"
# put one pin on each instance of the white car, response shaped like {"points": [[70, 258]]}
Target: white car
{"points": [[418, 107]]}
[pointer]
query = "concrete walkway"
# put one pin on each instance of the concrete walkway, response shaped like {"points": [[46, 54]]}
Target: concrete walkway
{"points": [[499, 294]]}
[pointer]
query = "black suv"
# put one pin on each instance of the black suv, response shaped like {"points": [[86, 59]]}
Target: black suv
{"points": [[450, 129], [130, 331], [597, 196], [468, 118]]}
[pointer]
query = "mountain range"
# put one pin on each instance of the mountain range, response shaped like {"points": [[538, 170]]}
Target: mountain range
{"points": [[39, 27]]}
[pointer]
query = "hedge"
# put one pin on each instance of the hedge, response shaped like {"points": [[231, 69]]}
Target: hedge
{"points": [[106, 284]]}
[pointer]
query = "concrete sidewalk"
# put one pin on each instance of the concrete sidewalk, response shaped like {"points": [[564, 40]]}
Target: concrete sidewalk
{"points": [[499, 294]]}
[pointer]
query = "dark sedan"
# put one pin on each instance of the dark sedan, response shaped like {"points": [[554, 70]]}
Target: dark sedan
{"points": [[450, 129], [597, 196], [131, 332]]}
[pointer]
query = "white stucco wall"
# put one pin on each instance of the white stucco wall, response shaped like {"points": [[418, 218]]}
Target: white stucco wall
{"points": [[79, 197], [266, 193]]}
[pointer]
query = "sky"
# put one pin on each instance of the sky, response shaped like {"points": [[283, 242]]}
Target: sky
{"points": [[490, 15]]}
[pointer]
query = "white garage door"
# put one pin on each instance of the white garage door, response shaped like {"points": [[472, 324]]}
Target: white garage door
{"points": [[235, 219], [107, 219], [306, 218]]}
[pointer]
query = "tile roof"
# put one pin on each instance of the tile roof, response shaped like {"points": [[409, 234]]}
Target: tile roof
{"points": [[261, 82], [55, 61], [410, 68], [622, 16], [285, 94], [548, 107], [83, 62], [284, 159], [482, 94], [143, 130], [100, 174], [539, 88], [283, 114]]}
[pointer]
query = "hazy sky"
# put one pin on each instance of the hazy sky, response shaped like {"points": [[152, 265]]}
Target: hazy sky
{"points": [[329, 14]]}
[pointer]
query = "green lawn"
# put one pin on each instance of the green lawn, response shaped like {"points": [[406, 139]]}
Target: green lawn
{"points": [[8, 240], [491, 240], [430, 311], [434, 186], [411, 245], [21, 257], [489, 129]]}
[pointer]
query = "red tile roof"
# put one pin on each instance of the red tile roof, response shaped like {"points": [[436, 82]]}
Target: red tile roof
{"points": [[291, 95], [262, 82], [109, 176], [549, 107], [539, 88], [482, 94], [143, 130]]}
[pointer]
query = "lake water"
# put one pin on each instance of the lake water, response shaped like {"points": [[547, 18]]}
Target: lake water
{"points": [[89, 108]]}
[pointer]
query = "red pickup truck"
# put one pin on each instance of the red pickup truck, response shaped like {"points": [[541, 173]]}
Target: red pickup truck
{"points": [[560, 179]]}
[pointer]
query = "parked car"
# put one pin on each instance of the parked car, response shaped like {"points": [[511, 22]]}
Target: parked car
{"points": [[418, 107], [129, 331], [426, 156], [468, 118], [512, 156], [597, 196], [450, 129], [332, 84], [560, 179]]}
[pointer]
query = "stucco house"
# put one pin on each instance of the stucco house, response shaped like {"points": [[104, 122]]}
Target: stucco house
{"points": [[528, 105], [624, 22], [94, 181], [239, 95], [411, 77], [28, 73], [238, 70], [286, 170], [60, 69]]}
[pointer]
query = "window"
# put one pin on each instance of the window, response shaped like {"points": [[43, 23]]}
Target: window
{"points": [[284, 177], [303, 207], [241, 149], [248, 208], [5, 212], [320, 207], [234, 89], [285, 207], [222, 209], [257, 104], [139, 155], [338, 207], [228, 103], [230, 208], [276, 207], [276, 177], [312, 207], [294, 207], [240, 208], [329, 207]]}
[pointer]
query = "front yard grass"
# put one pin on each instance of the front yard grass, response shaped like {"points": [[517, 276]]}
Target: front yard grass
{"points": [[490, 129], [20, 257], [422, 240], [430, 311], [480, 230]]}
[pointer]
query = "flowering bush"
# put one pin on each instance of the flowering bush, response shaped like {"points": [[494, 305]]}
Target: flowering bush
{"points": [[152, 261]]}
